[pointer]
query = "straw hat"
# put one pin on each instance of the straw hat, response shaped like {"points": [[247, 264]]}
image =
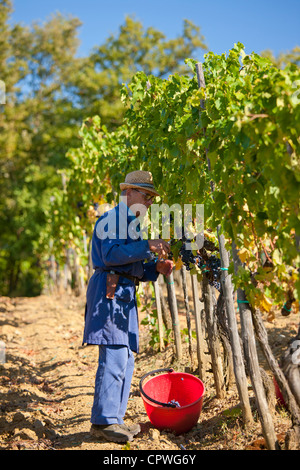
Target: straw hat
{"points": [[139, 180]]}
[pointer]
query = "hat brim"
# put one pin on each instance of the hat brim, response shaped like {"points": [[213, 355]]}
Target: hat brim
{"points": [[124, 186]]}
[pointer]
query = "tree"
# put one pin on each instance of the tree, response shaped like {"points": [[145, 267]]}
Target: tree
{"points": [[284, 58], [50, 91], [121, 56], [37, 126]]}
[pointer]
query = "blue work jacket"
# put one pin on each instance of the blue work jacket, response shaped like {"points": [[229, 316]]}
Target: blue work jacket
{"points": [[117, 245]]}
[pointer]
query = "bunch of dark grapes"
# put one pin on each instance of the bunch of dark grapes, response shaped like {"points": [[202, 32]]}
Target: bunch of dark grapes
{"points": [[209, 264], [188, 258], [213, 271]]}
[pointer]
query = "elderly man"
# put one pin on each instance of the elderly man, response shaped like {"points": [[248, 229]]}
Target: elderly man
{"points": [[121, 259]]}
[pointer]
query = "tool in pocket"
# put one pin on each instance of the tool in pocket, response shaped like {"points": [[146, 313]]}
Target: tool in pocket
{"points": [[111, 284]]}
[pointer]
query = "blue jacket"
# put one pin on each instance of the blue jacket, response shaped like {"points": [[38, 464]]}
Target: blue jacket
{"points": [[115, 321]]}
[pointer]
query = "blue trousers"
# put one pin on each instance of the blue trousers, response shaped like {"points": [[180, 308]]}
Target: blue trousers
{"points": [[112, 384]]}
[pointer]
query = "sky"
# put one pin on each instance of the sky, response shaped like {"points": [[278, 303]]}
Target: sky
{"points": [[258, 24]]}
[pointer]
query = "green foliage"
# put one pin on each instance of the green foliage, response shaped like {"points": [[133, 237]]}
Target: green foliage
{"points": [[185, 335], [48, 188], [138, 99], [151, 321], [35, 135], [134, 48], [284, 58], [249, 132]]}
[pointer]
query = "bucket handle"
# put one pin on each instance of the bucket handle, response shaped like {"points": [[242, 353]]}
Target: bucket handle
{"points": [[168, 405]]}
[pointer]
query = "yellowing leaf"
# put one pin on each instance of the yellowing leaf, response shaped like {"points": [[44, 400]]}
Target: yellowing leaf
{"points": [[263, 303], [178, 264], [276, 256], [243, 254]]}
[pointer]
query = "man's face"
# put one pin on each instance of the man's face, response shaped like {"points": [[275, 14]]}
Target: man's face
{"points": [[139, 201]]}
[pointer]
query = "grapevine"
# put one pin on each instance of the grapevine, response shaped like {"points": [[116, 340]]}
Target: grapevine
{"points": [[200, 261], [250, 122]]}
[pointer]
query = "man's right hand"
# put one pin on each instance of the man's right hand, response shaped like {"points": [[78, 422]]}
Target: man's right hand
{"points": [[161, 247]]}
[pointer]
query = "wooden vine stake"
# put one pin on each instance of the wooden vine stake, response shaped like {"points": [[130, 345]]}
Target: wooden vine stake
{"points": [[159, 315], [213, 340], [238, 363], [199, 334], [187, 312], [174, 315], [250, 349], [292, 440], [167, 320]]}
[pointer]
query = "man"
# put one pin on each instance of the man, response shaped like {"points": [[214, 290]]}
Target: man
{"points": [[121, 259]]}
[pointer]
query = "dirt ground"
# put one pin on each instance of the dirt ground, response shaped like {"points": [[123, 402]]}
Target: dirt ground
{"points": [[47, 385]]}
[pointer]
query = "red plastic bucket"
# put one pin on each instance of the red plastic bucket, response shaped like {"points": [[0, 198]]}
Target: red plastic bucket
{"points": [[279, 396], [159, 394]]}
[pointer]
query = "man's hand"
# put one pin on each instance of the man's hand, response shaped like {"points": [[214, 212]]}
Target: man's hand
{"points": [[160, 247], [164, 267]]}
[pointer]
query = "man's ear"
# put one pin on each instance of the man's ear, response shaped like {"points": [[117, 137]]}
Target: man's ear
{"points": [[129, 194]]}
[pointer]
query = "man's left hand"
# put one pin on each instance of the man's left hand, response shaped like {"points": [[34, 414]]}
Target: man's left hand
{"points": [[164, 267]]}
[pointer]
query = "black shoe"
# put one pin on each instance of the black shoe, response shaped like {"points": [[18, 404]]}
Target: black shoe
{"points": [[111, 432]]}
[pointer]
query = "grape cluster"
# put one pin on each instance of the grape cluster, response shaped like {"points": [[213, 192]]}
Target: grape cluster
{"points": [[188, 258], [209, 264]]}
